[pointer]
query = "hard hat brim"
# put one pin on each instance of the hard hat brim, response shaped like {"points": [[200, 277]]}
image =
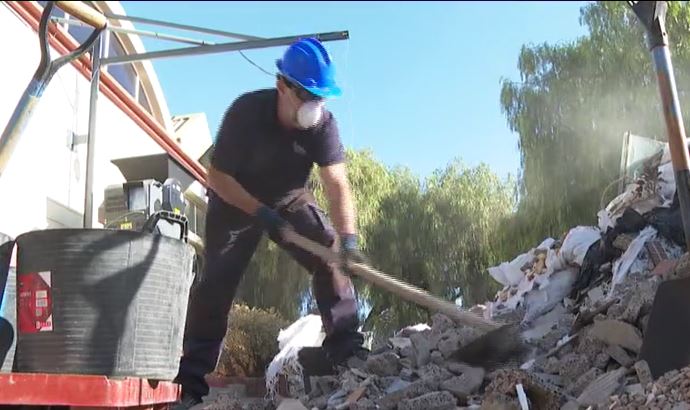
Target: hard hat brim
{"points": [[333, 91]]}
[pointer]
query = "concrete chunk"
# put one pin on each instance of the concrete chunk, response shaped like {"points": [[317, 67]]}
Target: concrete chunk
{"points": [[573, 366], [400, 343], [363, 404], [433, 372], [437, 357], [421, 346], [615, 332], [463, 386], [595, 295], [633, 308], [418, 388], [571, 405], [440, 323], [644, 375], [384, 364], [634, 389], [619, 355], [602, 388], [430, 401], [291, 404], [583, 381], [497, 401]]}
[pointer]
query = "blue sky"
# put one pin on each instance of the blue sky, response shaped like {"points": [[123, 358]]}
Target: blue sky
{"points": [[421, 80]]}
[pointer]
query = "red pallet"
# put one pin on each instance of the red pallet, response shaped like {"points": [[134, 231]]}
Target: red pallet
{"points": [[94, 392]]}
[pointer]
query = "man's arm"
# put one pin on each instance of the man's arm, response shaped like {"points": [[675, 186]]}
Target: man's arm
{"points": [[337, 188], [231, 191]]}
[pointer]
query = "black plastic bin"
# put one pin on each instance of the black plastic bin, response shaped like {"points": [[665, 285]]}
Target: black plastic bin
{"points": [[103, 302], [8, 312]]}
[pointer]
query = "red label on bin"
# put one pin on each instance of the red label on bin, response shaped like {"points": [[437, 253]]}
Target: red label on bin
{"points": [[34, 302]]}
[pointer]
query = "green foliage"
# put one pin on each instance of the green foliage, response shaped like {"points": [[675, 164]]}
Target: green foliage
{"points": [[440, 234], [251, 341], [572, 107]]}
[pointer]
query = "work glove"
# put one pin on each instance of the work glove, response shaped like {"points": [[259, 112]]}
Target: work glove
{"points": [[350, 253], [272, 222]]}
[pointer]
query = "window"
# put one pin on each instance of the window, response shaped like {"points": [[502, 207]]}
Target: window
{"points": [[57, 11], [143, 100], [79, 33], [123, 73]]}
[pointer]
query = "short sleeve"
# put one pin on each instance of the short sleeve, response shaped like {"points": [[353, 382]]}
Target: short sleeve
{"points": [[227, 151], [328, 148]]}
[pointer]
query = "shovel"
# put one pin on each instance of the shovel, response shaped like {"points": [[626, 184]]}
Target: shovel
{"points": [[498, 343], [666, 345], [44, 72]]}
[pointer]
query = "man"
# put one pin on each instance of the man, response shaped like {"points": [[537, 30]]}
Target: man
{"points": [[265, 149]]}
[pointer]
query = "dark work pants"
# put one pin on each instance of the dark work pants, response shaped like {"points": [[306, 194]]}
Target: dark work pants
{"points": [[231, 240]]}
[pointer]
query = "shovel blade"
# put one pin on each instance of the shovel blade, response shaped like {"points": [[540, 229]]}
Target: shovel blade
{"points": [[666, 342], [494, 348]]}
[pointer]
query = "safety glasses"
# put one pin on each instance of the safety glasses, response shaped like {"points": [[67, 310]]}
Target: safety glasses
{"points": [[302, 94]]}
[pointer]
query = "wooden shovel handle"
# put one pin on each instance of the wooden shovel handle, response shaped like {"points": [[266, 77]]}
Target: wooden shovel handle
{"points": [[83, 12], [395, 286]]}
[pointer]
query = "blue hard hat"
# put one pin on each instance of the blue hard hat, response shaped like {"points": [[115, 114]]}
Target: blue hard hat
{"points": [[307, 64]]}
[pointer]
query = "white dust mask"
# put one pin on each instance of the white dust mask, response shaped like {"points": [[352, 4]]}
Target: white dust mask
{"points": [[309, 114]]}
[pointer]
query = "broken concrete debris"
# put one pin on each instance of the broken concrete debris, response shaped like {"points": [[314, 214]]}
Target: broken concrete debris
{"points": [[617, 333], [590, 370], [619, 355], [582, 302], [602, 388]]}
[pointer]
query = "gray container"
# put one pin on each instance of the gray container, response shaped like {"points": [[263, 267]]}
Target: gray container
{"points": [[117, 302]]}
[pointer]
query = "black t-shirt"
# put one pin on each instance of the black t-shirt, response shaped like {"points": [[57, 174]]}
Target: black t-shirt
{"points": [[266, 159]]}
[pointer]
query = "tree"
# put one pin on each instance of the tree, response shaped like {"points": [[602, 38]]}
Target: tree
{"points": [[274, 280], [440, 236], [571, 108]]}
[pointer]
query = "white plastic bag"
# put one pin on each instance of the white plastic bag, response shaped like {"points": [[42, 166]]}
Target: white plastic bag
{"points": [[305, 332], [605, 221], [541, 301], [554, 261], [622, 265], [546, 243], [509, 273], [577, 242]]}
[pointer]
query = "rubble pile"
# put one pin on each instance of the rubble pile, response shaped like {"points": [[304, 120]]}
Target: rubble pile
{"points": [[582, 303]]}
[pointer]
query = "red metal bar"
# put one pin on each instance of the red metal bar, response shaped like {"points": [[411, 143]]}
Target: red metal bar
{"points": [[84, 391]]}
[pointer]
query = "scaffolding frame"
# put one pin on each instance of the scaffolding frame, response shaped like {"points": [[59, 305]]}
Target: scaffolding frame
{"points": [[96, 43]]}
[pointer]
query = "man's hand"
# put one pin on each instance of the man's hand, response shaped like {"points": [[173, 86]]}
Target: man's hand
{"points": [[350, 253], [272, 222]]}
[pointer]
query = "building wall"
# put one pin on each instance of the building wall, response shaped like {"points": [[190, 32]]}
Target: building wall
{"points": [[192, 133], [43, 185]]}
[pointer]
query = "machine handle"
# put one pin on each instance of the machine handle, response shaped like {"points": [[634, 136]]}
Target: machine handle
{"points": [[172, 217]]}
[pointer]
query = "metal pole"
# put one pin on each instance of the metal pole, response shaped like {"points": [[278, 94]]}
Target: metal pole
{"points": [[181, 26], [91, 139], [652, 14], [136, 32], [223, 47]]}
